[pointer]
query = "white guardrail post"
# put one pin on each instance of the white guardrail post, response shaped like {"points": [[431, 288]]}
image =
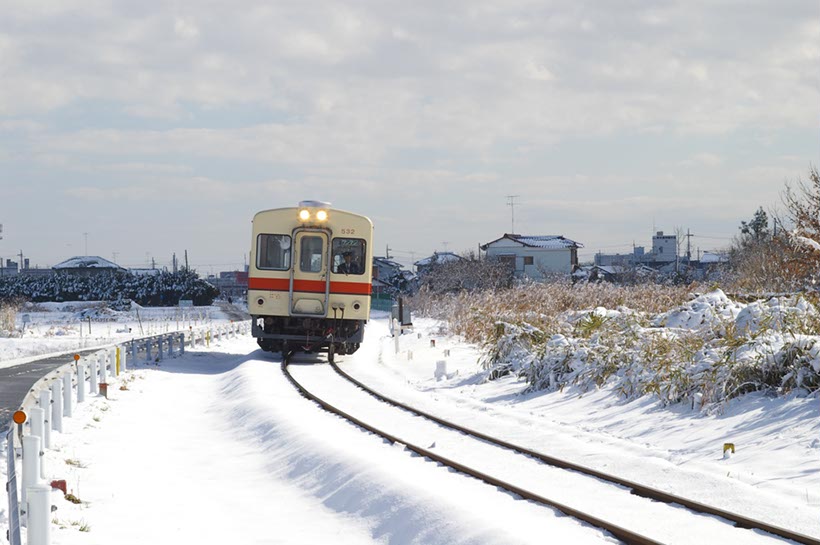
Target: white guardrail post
{"points": [[31, 463], [80, 382], [92, 374], [67, 408], [57, 405], [104, 368], [37, 419], [39, 514], [45, 404]]}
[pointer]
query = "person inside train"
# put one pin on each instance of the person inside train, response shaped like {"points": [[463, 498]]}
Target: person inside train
{"points": [[348, 266]]}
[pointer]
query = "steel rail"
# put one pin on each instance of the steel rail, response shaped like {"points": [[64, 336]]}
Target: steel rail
{"points": [[627, 536], [636, 488]]}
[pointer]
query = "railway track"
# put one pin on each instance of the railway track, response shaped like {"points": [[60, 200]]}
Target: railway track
{"points": [[608, 489]]}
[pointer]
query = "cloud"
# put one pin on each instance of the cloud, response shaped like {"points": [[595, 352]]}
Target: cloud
{"points": [[186, 29], [416, 107]]}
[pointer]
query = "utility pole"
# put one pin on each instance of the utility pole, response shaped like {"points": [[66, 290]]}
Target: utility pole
{"points": [[114, 255], [387, 251], [511, 203], [445, 243], [688, 246], [186, 260], [174, 261]]}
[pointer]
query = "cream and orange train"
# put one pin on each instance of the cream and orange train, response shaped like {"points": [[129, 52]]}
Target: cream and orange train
{"points": [[309, 279]]}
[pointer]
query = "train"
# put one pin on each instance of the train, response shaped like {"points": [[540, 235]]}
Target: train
{"points": [[309, 279]]}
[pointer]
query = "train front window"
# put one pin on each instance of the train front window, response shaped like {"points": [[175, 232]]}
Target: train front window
{"points": [[348, 256], [310, 254], [273, 252]]}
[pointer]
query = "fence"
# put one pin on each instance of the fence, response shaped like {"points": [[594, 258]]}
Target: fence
{"points": [[53, 397]]}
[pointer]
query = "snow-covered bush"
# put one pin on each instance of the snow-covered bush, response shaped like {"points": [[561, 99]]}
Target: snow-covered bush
{"points": [[710, 345], [164, 289]]}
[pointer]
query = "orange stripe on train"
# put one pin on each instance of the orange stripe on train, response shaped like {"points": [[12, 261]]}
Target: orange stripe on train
{"points": [[310, 286]]}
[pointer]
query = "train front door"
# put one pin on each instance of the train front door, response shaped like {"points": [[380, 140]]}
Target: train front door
{"points": [[310, 281]]}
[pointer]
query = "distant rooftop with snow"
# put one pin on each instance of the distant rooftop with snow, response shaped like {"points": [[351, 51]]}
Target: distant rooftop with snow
{"points": [[438, 257], [549, 242], [86, 262]]}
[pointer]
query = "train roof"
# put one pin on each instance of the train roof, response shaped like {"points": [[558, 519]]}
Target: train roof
{"points": [[313, 204]]}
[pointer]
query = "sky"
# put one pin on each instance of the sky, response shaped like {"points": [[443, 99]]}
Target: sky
{"points": [[134, 131]]}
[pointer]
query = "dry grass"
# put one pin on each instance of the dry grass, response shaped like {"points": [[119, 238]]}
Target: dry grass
{"points": [[8, 316], [473, 314]]}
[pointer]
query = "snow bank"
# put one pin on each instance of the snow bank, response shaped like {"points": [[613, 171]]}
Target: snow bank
{"points": [[712, 348]]}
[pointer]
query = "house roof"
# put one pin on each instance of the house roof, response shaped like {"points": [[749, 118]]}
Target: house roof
{"points": [[548, 242], [438, 257], [86, 262], [386, 262], [713, 257]]}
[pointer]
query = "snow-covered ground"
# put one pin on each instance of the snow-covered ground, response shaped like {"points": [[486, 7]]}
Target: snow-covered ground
{"points": [[216, 447], [53, 328]]}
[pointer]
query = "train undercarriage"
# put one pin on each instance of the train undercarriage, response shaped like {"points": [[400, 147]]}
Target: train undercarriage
{"points": [[293, 334]]}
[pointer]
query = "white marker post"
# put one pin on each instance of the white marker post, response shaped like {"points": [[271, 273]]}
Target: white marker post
{"points": [[37, 418], [92, 373], [39, 514], [67, 408], [80, 383], [57, 405], [45, 404]]}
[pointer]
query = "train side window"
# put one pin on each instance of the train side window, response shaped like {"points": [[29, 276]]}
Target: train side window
{"points": [[273, 252], [348, 255], [310, 254]]}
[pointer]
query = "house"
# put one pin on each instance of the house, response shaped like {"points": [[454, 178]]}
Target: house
{"points": [[424, 265], [390, 274], [86, 266], [384, 268], [232, 284], [535, 256]]}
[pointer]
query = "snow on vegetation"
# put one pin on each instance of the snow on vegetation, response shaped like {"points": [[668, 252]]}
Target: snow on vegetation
{"points": [[703, 351]]}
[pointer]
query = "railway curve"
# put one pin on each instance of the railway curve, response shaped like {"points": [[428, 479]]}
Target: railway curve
{"points": [[617, 529]]}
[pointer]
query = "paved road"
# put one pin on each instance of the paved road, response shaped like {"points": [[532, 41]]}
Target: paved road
{"points": [[15, 382]]}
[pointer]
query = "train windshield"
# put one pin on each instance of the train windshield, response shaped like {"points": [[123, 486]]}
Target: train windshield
{"points": [[348, 255], [310, 254], [273, 252]]}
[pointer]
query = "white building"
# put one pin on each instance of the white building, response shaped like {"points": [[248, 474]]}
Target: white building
{"points": [[535, 256]]}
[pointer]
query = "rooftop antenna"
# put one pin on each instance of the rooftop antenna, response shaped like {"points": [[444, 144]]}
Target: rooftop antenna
{"points": [[511, 203]]}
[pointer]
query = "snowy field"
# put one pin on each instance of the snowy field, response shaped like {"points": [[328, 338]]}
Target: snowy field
{"points": [[215, 447], [55, 328]]}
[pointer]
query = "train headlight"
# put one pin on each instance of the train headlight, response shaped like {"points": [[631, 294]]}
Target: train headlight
{"points": [[304, 215], [321, 215]]}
